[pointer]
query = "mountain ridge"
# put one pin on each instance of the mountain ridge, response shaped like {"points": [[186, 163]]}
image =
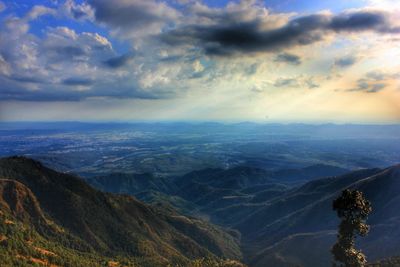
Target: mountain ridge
{"points": [[118, 224]]}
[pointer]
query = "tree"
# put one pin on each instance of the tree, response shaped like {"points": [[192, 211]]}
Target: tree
{"points": [[353, 209]]}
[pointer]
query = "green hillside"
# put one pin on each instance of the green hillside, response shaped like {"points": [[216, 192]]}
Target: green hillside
{"points": [[61, 214]]}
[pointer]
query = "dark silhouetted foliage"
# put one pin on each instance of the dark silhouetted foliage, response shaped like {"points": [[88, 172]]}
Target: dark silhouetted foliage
{"points": [[353, 209]]}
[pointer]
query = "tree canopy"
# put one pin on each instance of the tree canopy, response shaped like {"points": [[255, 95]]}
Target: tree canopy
{"points": [[353, 209]]}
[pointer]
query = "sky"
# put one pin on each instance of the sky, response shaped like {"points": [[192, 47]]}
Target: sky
{"points": [[190, 60]]}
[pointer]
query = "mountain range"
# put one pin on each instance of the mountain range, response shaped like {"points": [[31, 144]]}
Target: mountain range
{"points": [[284, 217], [263, 218]]}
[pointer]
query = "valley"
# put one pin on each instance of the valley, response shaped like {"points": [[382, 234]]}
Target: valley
{"points": [[257, 212]]}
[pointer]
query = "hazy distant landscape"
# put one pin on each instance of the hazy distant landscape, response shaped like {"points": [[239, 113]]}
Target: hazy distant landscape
{"points": [[170, 149]]}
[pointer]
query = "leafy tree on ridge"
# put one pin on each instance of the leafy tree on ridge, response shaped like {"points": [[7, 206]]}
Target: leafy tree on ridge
{"points": [[353, 209]]}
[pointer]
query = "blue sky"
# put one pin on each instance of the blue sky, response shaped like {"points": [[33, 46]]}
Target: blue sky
{"points": [[280, 61]]}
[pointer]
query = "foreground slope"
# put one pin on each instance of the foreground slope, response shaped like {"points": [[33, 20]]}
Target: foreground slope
{"points": [[112, 225], [29, 238]]}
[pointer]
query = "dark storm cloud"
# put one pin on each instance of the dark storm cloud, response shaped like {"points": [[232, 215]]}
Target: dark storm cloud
{"points": [[345, 62], [360, 21], [288, 58], [245, 37], [78, 82], [119, 61], [225, 39], [121, 16], [134, 13]]}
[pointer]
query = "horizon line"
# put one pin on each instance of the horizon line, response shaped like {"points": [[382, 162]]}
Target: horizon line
{"points": [[194, 122]]}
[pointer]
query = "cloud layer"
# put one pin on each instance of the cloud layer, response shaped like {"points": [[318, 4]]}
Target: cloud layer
{"points": [[165, 50], [250, 36]]}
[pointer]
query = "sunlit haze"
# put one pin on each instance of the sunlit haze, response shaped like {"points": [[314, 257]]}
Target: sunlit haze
{"points": [[266, 61]]}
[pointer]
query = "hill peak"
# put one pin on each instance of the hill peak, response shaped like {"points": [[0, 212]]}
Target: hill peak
{"points": [[24, 161]]}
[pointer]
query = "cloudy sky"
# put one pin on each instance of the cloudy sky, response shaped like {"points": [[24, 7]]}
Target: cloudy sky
{"points": [[269, 61]]}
